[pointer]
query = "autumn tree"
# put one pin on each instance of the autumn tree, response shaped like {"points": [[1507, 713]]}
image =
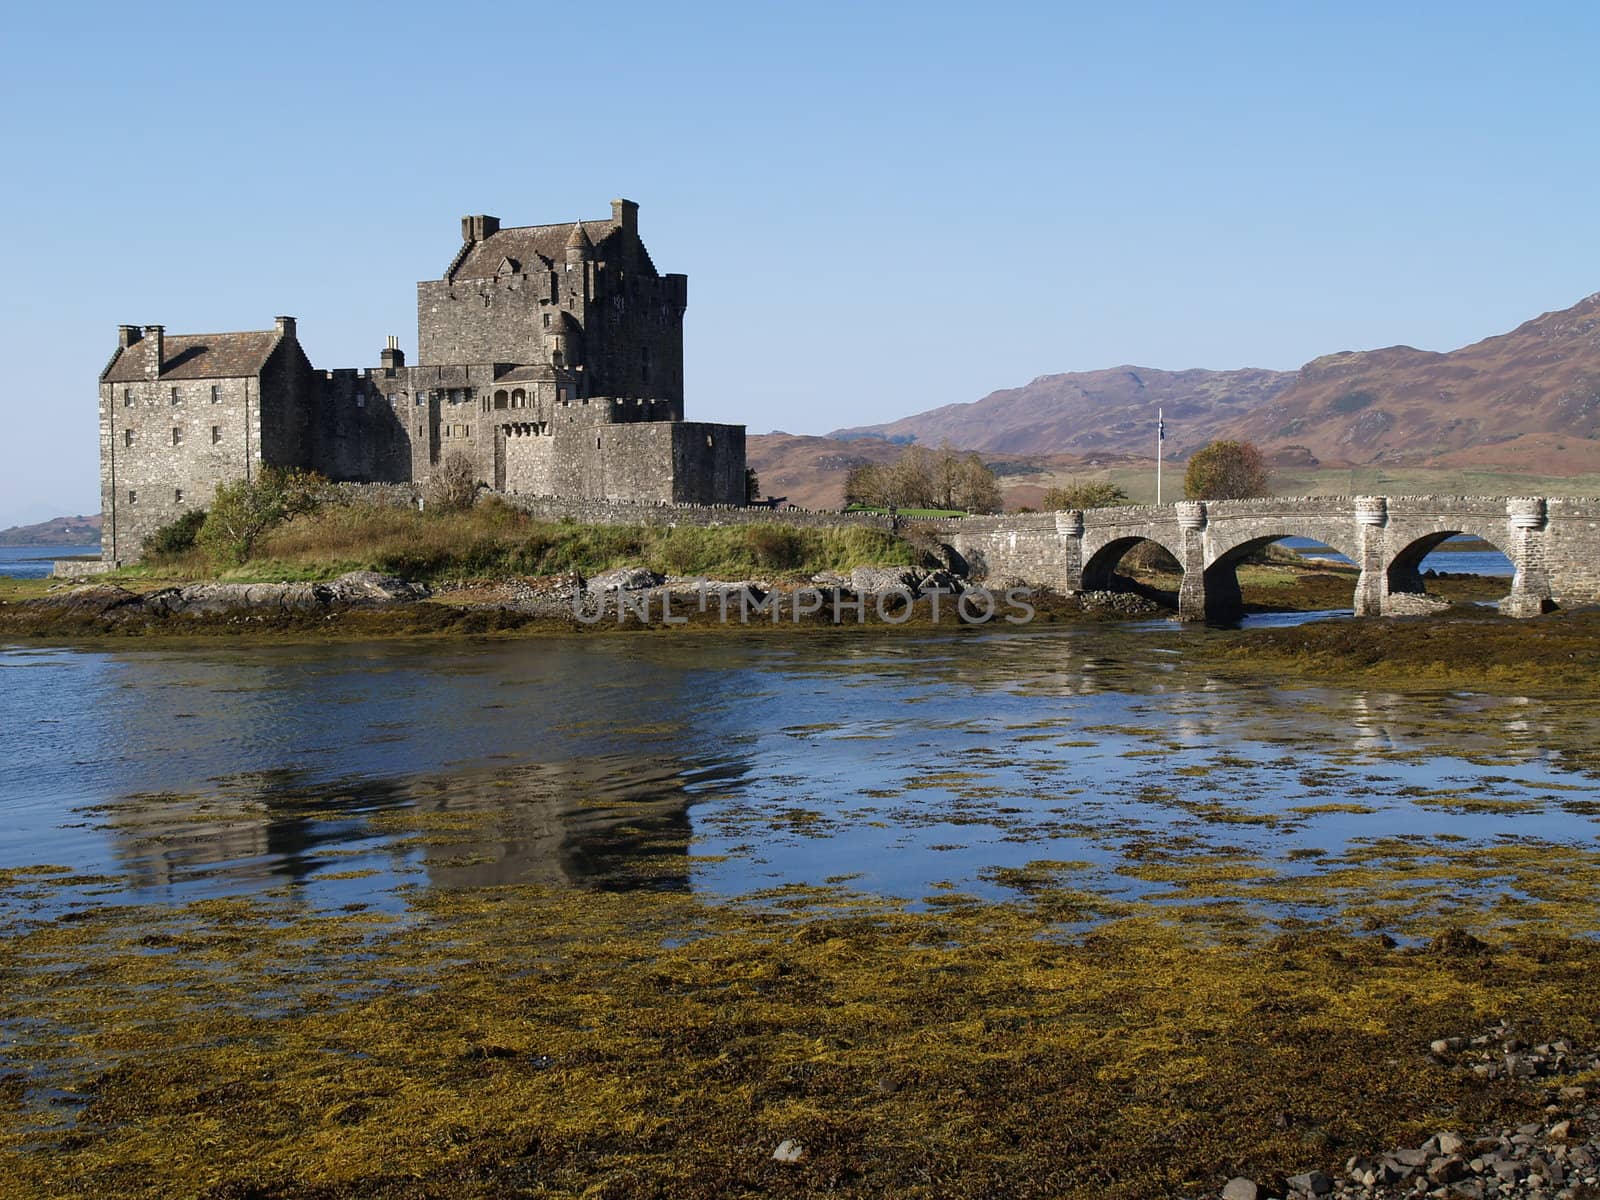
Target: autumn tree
{"points": [[1226, 471]]}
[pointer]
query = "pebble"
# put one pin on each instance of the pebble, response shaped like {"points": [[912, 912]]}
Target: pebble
{"points": [[1554, 1159], [788, 1151]]}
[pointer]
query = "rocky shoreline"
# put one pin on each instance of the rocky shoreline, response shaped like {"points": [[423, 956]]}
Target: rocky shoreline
{"points": [[1556, 1158]]}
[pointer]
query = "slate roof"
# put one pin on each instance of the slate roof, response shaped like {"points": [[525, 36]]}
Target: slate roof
{"points": [[198, 356], [533, 247]]}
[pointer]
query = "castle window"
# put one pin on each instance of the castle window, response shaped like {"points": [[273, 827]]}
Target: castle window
{"points": [[127, 397], [361, 400], [177, 436], [127, 437], [174, 396], [216, 434], [557, 358], [216, 393], [133, 496], [547, 320], [177, 495], [420, 431], [466, 431], [391, 400], [709, 442]]}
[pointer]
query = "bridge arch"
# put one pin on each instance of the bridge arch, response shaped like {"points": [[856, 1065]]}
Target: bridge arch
{"points": [[1100, 565], [1407, 589], [1226, 549]]}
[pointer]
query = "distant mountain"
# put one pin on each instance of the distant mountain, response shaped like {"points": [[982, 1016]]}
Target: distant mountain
{"points": [[1087, 412], [1528, 400], [1524, 400], [58, 531]]}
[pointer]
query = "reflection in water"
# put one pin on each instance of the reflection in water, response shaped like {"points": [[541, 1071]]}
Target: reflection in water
{"points": [[899, 762]]}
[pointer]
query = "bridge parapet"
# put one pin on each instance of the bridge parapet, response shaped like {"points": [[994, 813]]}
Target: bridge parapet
{"points": [[1553, 544]]}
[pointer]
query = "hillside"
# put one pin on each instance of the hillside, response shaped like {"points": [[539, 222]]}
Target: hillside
{"points": [[1084, 412], [1527, 400], [58, 531]]}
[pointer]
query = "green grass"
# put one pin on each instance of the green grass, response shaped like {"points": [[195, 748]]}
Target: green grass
{"points": [[494, 539]]}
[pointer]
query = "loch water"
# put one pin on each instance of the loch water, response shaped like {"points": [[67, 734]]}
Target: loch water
{"points": [[901, 764]]}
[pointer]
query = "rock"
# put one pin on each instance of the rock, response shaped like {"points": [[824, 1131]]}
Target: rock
{"points": [[1440, 1047], [1312, 1183], [1240, 1188], [1560, 1131], [95, 600], [788, 1151], [373, 587], [1449, 1143], [883, 579], [1447, 1169], [624, 579]]}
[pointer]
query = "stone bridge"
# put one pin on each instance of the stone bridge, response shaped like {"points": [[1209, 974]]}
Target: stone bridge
{"points": [[1554, 544]]}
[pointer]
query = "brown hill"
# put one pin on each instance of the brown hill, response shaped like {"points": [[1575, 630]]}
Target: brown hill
{"points": [[58, 531], [1528, 399], [1084, 412]]}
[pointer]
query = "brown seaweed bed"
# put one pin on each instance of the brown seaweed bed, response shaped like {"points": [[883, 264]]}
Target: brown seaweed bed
{"points": [[521, 1041]]}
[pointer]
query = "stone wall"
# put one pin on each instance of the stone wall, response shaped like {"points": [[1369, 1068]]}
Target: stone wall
{"points": [[151, 474]]}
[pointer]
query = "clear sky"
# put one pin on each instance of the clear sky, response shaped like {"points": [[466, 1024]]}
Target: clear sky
{"points": [[881, 207]]}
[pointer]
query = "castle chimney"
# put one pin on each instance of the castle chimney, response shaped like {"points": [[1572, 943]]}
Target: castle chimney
{"points": [[127, 335], [154, 354], [626, 214], [285, 326], [392, 357], [479, 228]]}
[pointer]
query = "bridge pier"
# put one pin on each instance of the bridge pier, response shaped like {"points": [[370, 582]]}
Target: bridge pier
{"points": [[1192, 600], [1372, 586], [1527, 519]]}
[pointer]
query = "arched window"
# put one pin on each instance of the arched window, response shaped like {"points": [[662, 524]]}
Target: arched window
{"points": [[500, 399]]}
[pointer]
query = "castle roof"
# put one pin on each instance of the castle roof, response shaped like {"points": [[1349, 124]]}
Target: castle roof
{"points": [[528, 244], [198, 356]]}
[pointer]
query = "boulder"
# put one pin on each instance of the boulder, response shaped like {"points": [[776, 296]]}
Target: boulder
{"points": [[624, 579]]}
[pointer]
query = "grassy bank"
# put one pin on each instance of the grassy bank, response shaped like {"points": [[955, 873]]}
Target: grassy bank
{"points": [[493, 539]]}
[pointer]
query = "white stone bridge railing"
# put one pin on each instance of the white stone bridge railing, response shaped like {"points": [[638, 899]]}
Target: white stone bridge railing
{"points": [[1554, 545]]}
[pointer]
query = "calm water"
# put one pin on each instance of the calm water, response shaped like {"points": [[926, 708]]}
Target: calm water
{"points": [[1445, 559], [900, 763], [33, 562]]}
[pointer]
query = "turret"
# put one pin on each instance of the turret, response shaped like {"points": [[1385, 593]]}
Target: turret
{"points": [[579, 246]]}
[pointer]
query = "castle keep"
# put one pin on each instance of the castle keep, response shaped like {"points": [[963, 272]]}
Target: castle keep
{"points": [[550, 356]]}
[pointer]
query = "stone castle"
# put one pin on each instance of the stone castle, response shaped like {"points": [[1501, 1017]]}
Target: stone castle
{"points": [[550, 356]]}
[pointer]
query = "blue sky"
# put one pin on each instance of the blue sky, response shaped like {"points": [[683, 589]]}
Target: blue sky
{"points": [[881, 208]]}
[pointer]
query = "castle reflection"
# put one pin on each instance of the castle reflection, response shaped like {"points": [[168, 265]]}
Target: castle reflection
{"points": [[615, 822]]}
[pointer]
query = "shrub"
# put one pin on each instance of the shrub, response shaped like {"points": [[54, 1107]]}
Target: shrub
{"points": [[1096, 493], [175, 537], [248, 508], [453, 487]]}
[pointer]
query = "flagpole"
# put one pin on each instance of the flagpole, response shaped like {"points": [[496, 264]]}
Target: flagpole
{"points": [[1161, 436]]}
